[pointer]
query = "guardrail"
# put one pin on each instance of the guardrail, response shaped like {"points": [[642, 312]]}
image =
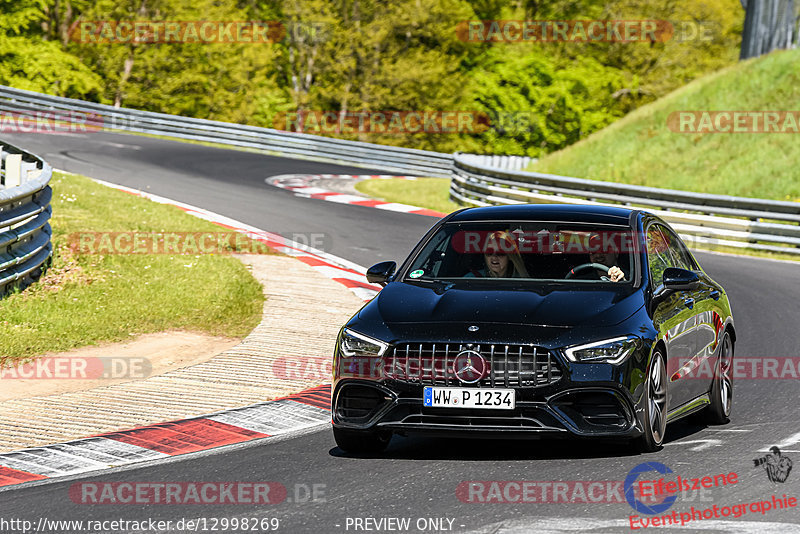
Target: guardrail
{"points": [[703, 220], [24, 217], [278, 142], [100, 116]]}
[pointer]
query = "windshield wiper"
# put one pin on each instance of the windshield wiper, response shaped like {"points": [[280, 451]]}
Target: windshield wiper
{"points": [[439, 286]]}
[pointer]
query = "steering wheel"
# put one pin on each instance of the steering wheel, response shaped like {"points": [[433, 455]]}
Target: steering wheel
{"points": [[585, 266]]}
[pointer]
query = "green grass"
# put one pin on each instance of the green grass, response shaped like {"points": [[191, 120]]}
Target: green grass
{"points": [[431, 193], [640, 149], [86, 299]]}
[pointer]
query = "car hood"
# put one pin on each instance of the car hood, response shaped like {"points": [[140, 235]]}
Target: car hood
{"points": [[545, 306]]}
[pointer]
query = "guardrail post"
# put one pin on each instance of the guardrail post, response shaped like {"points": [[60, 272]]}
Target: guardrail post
{"points": [[13, 165]]}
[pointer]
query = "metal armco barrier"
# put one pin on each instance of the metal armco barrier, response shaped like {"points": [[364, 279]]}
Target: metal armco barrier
{"points": [[100, 116], [703, 220], [24, 217]]}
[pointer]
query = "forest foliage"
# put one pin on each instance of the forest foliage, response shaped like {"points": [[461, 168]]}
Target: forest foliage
{"points": [[352, 57]]}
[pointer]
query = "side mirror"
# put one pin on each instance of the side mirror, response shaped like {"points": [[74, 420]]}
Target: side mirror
{"points": [[380, 272], [676, 279]]}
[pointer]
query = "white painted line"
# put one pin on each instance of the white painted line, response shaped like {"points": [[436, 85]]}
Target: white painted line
{"points": [[787, 442], [306, 191], [393, 206], [703, 443], [345, 199]]}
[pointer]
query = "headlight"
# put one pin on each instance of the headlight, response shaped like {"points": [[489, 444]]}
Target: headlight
{"points": [[355, 344], [614, 350]]}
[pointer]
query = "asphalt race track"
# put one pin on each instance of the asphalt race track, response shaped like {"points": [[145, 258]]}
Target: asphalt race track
{"points": [[417, 478]]}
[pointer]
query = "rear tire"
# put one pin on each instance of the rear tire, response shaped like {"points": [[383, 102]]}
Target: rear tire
{"points": [[361, 441], [655, 402], [721, 392]]}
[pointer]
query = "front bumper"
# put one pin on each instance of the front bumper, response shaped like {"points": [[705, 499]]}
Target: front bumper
{"points": [[585, 411]]}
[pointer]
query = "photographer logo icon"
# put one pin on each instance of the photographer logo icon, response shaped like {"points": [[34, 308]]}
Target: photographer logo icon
{"points": [[777, 466]]}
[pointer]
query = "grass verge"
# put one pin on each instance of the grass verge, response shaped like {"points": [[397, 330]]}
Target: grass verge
{"points": [[86, 299], [431, 193], [641, 149]]}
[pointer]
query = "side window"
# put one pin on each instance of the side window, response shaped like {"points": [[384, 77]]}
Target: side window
{"points": [[665, 249], [682, 257], [659, 256]]}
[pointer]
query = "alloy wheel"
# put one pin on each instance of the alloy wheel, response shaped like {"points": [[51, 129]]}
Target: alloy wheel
{"points": [[657, 398], [724, 375]]}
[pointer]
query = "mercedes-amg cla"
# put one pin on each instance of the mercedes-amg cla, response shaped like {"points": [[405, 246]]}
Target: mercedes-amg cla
{"points": [[530, 320]]}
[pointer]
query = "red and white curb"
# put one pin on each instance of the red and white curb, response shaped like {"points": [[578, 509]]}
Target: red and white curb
{"points": [[340, 270], [302, 185], [259, 421], [97, 453]]}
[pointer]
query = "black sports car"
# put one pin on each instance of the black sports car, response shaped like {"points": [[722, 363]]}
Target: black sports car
{"points": [[535, 320]]}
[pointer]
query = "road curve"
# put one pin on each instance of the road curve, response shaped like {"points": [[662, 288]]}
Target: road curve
{"points": [[417, 478]]}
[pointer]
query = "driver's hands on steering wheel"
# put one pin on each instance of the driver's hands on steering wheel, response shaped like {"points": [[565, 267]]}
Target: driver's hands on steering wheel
{"points": [[616, 274]]}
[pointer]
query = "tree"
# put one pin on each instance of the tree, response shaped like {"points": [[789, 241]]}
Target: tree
{"points": [[225, 81], [28, 61]]}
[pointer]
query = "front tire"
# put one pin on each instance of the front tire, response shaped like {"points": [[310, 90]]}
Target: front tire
{"points": [[655, 412], [721, 393], [361, 441]]}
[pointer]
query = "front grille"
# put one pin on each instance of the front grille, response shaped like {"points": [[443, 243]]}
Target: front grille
{"points": [[508, 365]]}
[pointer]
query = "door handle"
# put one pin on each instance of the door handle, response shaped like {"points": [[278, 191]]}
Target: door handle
{"points": [[689, 303], [714, 295]]}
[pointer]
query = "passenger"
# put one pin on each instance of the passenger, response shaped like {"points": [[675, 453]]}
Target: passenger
{"points": [[501, 247], [609, 258]]}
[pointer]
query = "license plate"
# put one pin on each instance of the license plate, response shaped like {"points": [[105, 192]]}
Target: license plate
{"points": [[493, 399]]}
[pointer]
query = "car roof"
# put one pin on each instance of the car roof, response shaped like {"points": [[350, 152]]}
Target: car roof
{"points": [[547, 212]]}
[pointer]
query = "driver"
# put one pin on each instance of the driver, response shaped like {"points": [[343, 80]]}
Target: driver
{"points": [[608, 257], [501, 258]]}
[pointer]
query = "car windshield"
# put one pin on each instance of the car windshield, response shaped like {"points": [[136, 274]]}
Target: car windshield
{"points": [[531, 251]]}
